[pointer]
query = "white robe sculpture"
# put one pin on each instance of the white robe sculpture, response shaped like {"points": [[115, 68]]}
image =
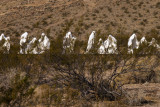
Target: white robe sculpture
{"points": [[44, 43], [90, 41], [5, 43], [101, 49], [110, 45], [132, 44], [68, 43], [32, 46], [23, 43], [154, 43], [143, 40]]}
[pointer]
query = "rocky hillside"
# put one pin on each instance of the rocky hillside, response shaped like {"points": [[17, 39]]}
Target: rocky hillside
{"points": [[79, 16]]}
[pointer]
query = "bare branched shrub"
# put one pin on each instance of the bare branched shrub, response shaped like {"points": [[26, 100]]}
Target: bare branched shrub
{"points": [[96, 76]]}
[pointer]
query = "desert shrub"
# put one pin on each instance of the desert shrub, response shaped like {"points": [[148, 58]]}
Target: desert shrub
{"points": [[92, 85], [86, 27], [93, 14], [109, 9], [122, 39], [80, 47], [18, 90], [17, 34], [140, 4], [100, 21], [96, 11], [158, 5], [92, 24], [44, 22], [142, 23], [94, 18], [86, 73], [36, 25], [65, 14]]}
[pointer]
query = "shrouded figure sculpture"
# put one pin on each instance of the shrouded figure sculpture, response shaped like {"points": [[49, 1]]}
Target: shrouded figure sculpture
{"points": [[5, 44], [23, 43], [68, 43], [32, 46], [44, 43], [154, 43], [110, 45], [90, 42], [101, 49], [132, 44], [143, 40]]}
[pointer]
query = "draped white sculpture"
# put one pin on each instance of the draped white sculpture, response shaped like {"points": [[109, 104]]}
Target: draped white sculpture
{"points": [[90, 41], [111, 45], [68, 43], [5, 43], [101, 49], [32, 46], [23, 43], [132, 44], [44, 43], [143, 40], [154, 43]]}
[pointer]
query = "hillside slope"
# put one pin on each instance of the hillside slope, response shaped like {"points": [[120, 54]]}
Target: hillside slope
{"points": [[116, 16]]}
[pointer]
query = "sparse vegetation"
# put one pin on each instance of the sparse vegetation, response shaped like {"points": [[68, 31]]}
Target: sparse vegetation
{"points": [[53, 79]]}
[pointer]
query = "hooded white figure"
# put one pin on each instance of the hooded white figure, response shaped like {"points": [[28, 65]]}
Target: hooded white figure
{"points": [[101, 49], [23, 43], [143, 40], [110, 45], [132, 44], [32, 47], [5, 43], [2, 37], [68, 43], [90, 41], [44, 43], [154, 43]]}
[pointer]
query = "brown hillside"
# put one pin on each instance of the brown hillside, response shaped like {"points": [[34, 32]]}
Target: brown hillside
{"points": [[109, 16]]}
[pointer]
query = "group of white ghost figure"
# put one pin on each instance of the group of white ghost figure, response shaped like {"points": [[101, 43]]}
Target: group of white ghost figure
{"points": [[34, 46], [109, 46], [133, 43]]}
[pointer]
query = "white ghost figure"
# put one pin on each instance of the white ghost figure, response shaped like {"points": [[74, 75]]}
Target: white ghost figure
{"points": [[100, 41], [132, 44], [32, 47], [90, 41], [143, 40], [73, 43], [154, 43], [23, 43], [5, 43], [2, 37], [101, 49], [44, 43], [111, 45], [68, 43]]}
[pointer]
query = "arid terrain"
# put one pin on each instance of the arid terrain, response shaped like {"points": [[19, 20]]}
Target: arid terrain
{"points": [[111, 17], [45, 81]]}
